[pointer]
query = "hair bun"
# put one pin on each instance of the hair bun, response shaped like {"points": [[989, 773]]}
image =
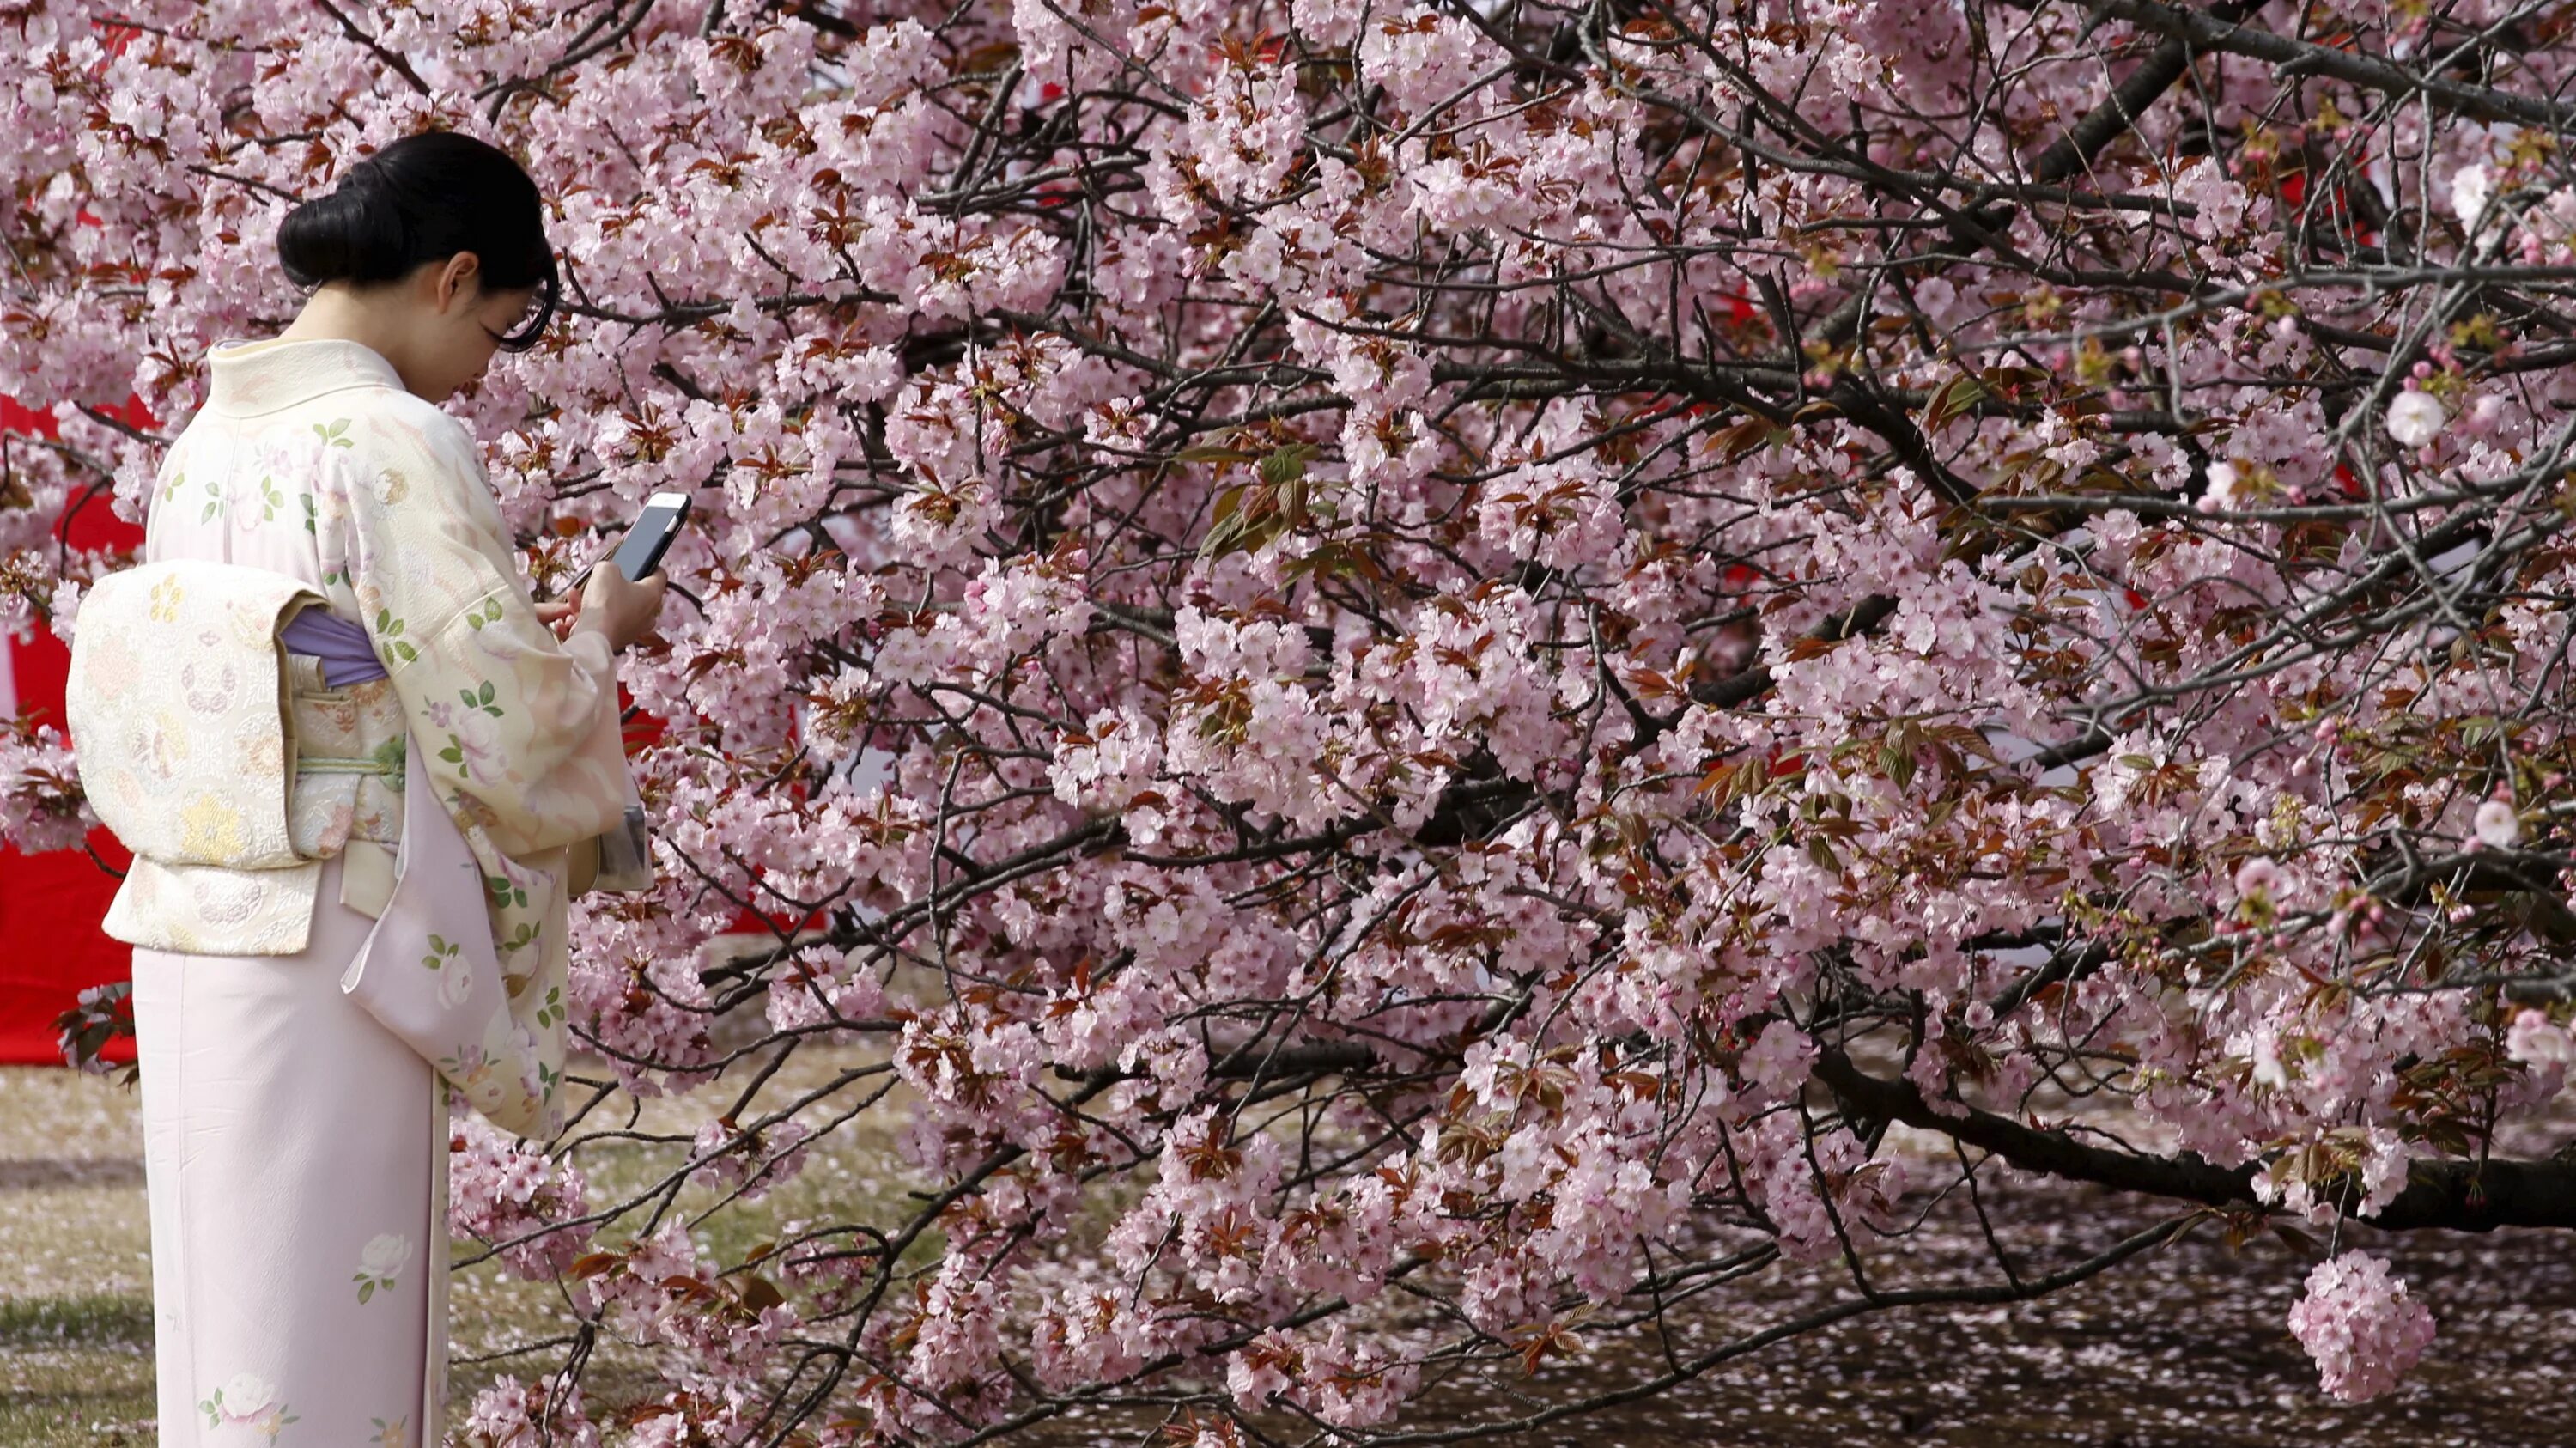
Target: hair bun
{"points": [[423, 199]]}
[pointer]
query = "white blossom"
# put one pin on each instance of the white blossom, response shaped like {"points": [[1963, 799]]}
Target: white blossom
{"points": [[2226, 489], [2415, 418], [2471, 187], [2536, 1040], [244, 1394], [2496, 825]]}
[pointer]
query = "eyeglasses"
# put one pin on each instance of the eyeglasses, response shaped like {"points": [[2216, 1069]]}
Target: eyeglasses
{"points": [[523, 327]]}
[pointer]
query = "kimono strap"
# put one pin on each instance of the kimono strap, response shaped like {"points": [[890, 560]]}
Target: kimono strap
{"points": [[348, 656]]}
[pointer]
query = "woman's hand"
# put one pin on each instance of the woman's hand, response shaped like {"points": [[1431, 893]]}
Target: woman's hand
{"points": [[558, 614], [621, 611]]}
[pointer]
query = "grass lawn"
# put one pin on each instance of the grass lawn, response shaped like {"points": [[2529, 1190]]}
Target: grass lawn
{"points": [[75, 1267]]}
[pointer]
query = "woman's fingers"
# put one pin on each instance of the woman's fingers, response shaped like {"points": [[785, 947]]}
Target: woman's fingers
{"points": [[560, 613]]}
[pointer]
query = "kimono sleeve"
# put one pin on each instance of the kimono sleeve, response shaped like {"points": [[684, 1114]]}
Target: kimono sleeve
{"points": [[522, 727]]}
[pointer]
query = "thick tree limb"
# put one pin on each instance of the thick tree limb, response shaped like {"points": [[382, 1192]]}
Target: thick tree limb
{"points": [[2458, 1196], [2210, 31]]}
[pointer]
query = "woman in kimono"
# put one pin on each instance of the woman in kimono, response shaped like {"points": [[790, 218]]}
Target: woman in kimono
{"points": [[295, 1150]]}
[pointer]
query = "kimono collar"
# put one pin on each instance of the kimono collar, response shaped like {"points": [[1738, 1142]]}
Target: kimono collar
{"points": [[250, 376]]}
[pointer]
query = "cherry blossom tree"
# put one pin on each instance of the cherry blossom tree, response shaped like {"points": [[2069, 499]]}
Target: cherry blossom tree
{"points": [[1474, 654]]}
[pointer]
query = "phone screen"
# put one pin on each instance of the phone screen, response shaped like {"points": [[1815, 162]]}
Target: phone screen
{"points": [[654, 528]]}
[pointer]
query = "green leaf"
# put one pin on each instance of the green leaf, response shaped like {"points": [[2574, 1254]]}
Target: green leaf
{"points": [[1951, 400], [1334, 558], [1238, 528], [406, 651], [1286, 464], [1898, 761]]}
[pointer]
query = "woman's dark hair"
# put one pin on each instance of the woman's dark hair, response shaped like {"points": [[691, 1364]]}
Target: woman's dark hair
{"points": [[425, 198]]}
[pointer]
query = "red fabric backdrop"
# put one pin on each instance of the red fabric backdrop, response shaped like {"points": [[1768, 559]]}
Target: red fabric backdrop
{"points": [[50, 904]]}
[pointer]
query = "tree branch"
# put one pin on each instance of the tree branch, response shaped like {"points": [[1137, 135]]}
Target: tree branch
{"points": [[2457, 1196]]}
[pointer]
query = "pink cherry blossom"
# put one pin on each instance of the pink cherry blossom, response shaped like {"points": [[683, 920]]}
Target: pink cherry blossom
{"points": [[2360, 1325]]}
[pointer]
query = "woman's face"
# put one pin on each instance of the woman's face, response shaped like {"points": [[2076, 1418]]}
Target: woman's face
{"points": [[464, 325]]}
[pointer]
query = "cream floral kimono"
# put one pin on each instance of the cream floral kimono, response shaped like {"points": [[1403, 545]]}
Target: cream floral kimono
{"points": [[310, 460], [295, 1151]]}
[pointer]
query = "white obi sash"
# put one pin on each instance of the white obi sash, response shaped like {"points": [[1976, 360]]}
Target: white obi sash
{"points": [[177, 708]]}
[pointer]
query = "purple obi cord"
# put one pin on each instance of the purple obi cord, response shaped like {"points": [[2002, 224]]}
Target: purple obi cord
{"points": [[347, 655]]}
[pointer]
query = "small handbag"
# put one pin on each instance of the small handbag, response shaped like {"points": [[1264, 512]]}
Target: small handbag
{"points": [[428, 971]]}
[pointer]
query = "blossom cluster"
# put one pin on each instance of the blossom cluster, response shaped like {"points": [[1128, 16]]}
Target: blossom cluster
{"points": [[2359, 1323]]}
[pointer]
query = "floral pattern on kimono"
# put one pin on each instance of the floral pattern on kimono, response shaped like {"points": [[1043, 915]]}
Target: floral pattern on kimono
{"points": [[320, 462], [381, 1262], [245, 1410], [518, 729]]}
